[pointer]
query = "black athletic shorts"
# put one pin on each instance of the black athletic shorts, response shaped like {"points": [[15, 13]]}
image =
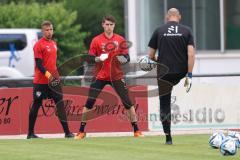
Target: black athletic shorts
{"points": [[43, 91], [166, 83], [119, 86]]}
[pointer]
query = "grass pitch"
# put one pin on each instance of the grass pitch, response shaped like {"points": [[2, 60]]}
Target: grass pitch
{"points": [[185, 147]]}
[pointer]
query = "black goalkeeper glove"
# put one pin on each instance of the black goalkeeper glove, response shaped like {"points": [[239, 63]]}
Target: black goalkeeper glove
{"points": [[123, 59], [54, 81]]}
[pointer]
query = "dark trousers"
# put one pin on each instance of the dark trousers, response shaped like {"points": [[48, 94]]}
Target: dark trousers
{"points": [[41, 92], [165, 86], [118, 85]]}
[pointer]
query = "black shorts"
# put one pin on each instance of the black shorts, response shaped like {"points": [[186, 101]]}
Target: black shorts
{"points": [[119, 86], [166, 83], [43, 91]]}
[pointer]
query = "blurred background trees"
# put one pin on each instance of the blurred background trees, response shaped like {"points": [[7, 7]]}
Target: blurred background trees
{"points": [[76, 22], [90, 13]]}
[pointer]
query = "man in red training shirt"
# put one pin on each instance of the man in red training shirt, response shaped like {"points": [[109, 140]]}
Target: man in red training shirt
{"points": [[109, 55], [46, 83]]}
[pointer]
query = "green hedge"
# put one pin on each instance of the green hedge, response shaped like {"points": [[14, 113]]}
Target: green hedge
{"points": [[66, 32]]}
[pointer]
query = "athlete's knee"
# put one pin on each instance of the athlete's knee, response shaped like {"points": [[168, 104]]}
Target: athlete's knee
{"points": [[36, 103], [127, 105], [58, 98], [35, 106], [90, 102], [165, 116], [126, 102]]}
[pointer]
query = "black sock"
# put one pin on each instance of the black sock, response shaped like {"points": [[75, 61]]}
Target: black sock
{"points": [[135, 126], [166, 123], [83, 124], [33, 116], [168, 137], [65, 127], [61, 113]]}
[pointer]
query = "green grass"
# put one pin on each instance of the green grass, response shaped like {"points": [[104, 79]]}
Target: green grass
{"points": [[185, 147]]}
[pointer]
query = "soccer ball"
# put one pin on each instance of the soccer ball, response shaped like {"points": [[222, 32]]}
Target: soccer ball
{"points": [[228, 147], [236, 136], [146, 64], [232, 133], [216, 139]]}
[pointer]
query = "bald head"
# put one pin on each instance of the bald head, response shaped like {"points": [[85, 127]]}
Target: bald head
{"points": [[173, 14]]}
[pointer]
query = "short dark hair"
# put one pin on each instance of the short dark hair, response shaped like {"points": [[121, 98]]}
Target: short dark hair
{"points": [[108, 18], [46, 23]]}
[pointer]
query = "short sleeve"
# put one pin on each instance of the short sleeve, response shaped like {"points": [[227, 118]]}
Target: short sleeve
{"points": [[153, 43], [37, 51], [93, 48], [190, 38]]}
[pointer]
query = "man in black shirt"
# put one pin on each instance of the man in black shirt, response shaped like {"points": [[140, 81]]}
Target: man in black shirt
{"points": [[175, 46]]}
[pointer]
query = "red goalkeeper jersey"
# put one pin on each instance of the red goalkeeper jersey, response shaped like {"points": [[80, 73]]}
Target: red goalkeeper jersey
{"points": [[47, 51], [110, 69]]}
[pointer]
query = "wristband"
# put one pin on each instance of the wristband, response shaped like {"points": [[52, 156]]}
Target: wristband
{"points": [[189, 74]]}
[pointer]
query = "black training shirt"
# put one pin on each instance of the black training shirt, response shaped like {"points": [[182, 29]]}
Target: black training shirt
{"points": [[172, 40]]}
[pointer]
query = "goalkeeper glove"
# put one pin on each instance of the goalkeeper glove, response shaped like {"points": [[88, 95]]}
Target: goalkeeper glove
{"points": [[52, 80], [101, 58], [146, 64], [188, 82], [153, 63], [122, 59]]}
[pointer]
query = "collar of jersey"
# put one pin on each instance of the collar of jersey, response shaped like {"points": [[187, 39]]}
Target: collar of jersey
{"points": [[107, 37], [173, 22], [46, 39]]}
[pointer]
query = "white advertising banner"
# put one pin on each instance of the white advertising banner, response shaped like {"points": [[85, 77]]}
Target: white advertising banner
{"points": [[206, 106]]}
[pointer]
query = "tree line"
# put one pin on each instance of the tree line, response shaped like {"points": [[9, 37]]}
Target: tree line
{"points": [[75, 22]]}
